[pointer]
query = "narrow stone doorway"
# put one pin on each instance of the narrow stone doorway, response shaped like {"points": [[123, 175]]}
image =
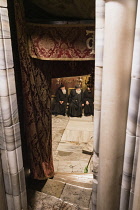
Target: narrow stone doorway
{"points": [[71, 186], [72, 137]]}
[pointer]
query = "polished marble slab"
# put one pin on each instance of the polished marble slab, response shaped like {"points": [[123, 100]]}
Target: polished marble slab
{"points": [[39, 200], [4, 24], [10, 133], [53, 187], [11, 81], [6, 55], [10, 202], [83, 118], [3, 84], [9, 110], [68, 144], [77, 195], [78, 131], [3, 3], [72, 166], [79, 179], [17, 202], [59, 121], [10, 142]]}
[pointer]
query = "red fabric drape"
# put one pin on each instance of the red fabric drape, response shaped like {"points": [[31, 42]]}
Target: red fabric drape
{"points": [[36, 99]]}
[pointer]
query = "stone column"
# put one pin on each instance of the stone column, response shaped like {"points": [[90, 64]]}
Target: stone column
{"points": [[99, 43], [132, 139], [120, 18], [3, 204], [10, 141], [136, 201]]}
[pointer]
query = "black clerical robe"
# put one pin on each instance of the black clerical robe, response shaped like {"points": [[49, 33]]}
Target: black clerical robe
{"points": [[75, 104], [88, 109], [60, 109]]}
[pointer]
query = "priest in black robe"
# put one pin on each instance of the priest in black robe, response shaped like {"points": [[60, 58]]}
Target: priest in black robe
{"points": [[61, 101], [76, 102], [88, 102]]}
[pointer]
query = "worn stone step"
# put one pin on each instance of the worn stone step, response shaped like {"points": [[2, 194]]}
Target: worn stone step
{"points": [[79, 179], [70, 188], [38, 200], [77, 195]]}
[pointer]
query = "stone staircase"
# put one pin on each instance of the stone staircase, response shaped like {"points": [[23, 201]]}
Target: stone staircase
{"points": [[65, 192]]}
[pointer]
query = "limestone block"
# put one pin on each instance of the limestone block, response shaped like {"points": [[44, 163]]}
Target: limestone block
{"points": [[97, 117], [98, 88], [77, 195], [133, 106], [2, 191], [10, 201], [17, 202], [66, 205], [53, 187], [5, 165], [3, 3], [3, 84], [128, 161], [69, 147], [74, 131], [99, 47], [40, 200], [24, 199], [72, 166], [83, 118], [84, 180], [60, 121], [12, 137], [4, 24], [14, 109], [19, 158], [7, 182], [6, 55], [100, 13], [22, 182], [12, 161], [9, 110]]}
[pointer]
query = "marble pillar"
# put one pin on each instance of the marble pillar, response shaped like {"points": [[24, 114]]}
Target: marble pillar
{"points": [[10, 141], [99, 46], [3, 203], [132, 139], [136, 200], [99, 43], [120, 18]]}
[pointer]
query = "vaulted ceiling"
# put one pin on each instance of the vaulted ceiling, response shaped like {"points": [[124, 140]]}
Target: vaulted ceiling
{"points": [[60, 9]]}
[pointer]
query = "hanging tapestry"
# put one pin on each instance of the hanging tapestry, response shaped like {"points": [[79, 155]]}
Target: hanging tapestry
{"points": [[36, 90], [61, 43]]}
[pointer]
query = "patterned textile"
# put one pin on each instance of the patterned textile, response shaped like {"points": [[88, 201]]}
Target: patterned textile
{"points": [[61, 43], [36, 101]]}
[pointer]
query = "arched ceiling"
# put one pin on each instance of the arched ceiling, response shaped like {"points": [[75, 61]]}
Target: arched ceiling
{"points": [[60, 9]]}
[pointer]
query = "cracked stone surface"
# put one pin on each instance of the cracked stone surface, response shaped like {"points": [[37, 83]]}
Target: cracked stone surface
{"points": [[77, 195], [69, 137]]}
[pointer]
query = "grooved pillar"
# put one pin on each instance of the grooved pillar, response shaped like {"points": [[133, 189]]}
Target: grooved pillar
{"points": [[120, 18]]}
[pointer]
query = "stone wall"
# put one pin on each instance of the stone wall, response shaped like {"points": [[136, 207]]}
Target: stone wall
{"points": [[10, 141]]}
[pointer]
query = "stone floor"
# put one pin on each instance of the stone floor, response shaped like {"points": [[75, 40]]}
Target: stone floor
{"points": [[71, 188], [70, 136], [64, 191]]}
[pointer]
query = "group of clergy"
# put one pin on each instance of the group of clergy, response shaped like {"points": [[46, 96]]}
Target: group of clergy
{"points": [[77, 101]]}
